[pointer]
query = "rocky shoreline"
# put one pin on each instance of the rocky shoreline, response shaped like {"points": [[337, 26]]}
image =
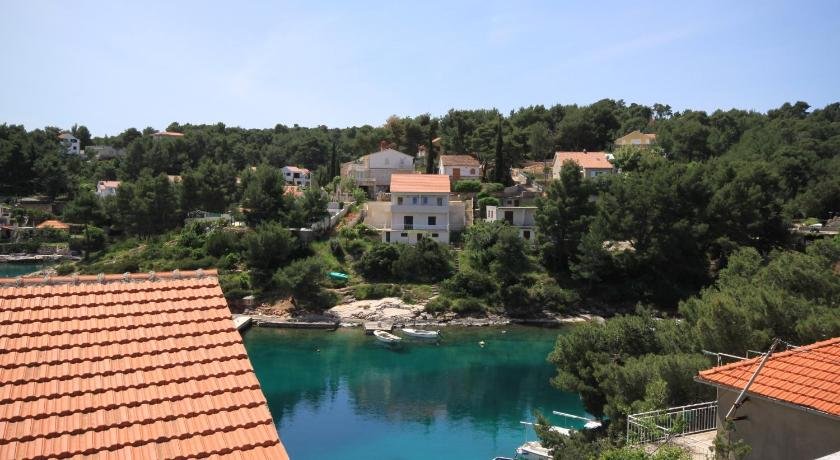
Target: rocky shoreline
{"points": [[395, 311]]}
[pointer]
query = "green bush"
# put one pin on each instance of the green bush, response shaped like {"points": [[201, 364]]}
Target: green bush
{"points": [[467, 186], [492, 187], [376, 291], [377, 263], [487, 201], [337, 250], [220, 243], [228, 261], [467, 305], [438, 304], [65, 268], [549, 296], [469, 283], [355, 248]]}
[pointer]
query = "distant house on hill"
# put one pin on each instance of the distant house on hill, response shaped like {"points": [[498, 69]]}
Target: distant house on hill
{"points": [[592, 163], [522, 218], [296, 176], [53, 225], [459, 167], [107, 188], [636, 138], [373, 172], [71, 143], [169, 134]]}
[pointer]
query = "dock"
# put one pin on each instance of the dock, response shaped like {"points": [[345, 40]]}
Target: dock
{"points": [[371, 326], [241, 322], [269, 321]]}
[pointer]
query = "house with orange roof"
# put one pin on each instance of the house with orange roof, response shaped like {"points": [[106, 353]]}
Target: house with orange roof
{"points": [[167, 134], [419, 207], [792, 408], [105, 188], [53, 225], [294, 175], [592, 164], [636, 138], [459, 167], [127, 366]]}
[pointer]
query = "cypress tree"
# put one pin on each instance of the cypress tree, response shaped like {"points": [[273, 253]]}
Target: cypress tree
{"points": [[333, 163], [430, 153], [499, 168]]}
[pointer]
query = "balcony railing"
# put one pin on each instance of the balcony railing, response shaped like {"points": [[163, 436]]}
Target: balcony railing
{"points": [[658, 425], [402, 226]]}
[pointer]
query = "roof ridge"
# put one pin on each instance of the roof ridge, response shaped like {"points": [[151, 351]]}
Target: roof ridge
{"points": [[102, 278], [782, 354]]}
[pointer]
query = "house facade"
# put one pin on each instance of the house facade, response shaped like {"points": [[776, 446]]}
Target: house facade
{"points": [[71, 143], [459, 167], [419, 208], [296, 176], [522, 218], [373, 172], [792, 408], [637, 138], [105, 188], [592, 164]]}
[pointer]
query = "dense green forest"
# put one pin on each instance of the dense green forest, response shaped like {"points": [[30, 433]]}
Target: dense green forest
{"points": [[696, 228]]}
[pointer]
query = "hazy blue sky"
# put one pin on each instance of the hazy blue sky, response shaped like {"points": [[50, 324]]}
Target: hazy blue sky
{"points": [[115, 64]]}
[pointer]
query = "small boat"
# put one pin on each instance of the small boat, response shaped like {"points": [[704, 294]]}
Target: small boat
{"points": [[420, 333], [386, 337], [533, 450]]}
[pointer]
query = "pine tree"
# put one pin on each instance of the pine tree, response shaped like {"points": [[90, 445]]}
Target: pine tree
{"points": [[333, 163]]}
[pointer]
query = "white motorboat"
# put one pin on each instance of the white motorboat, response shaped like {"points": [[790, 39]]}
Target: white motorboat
{"points": [[533, 450], [420, 333], [386, 337]]}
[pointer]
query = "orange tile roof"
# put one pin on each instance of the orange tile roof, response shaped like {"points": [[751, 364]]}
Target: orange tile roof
{"points": [[167, 134], [432, 183], [586, 160], [459, 160], [808, 376], [56, 224], [127, 367], [293, 190]]}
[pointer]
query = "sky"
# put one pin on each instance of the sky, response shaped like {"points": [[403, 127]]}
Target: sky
{"points": [[111, 65]]}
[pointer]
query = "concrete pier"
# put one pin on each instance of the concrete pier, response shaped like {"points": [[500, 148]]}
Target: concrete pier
{"points": [[371, 326]]}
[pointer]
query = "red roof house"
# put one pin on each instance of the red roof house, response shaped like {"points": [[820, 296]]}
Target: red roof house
{"points": [[127, 367]]}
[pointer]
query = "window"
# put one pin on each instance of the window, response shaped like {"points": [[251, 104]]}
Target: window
{"points": [[434, 235], [432, 220], [408, 222], [472, 171], [419, 236], [509, 217], [425, 200], [526, 234], [399, 200], [387, 237], [404, 235], [440, 201], [414, 200]]}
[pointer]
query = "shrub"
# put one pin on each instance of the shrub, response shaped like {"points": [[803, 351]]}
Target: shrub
{"points": [[376, 291], [337, 250], [549, 296], [438, 304], [469, 283], [65, 268], [220, 243], [467, 186], [467, 305], [492, 187], [228, 261], [426, 261], [355, 248], [377, 263]]}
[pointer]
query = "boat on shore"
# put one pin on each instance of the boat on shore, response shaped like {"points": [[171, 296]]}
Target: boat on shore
{"points": [[386, 337], [420, 333]]}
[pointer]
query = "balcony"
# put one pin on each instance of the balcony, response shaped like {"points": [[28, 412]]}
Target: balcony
{"points": [[691, 427], [438, 227]]}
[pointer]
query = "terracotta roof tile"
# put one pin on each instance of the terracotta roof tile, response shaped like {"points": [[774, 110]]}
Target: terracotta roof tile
{"points": [[587, 160], [807, 376], [459, 160], [430, 183], [127, 367]]}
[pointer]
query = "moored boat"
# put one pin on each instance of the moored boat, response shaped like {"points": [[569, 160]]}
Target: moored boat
{"points": [[386, 337], [420, 333]]}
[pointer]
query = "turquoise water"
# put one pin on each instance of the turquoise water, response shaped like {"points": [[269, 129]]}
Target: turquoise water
{"points": [[12, 270], [344, 396]]}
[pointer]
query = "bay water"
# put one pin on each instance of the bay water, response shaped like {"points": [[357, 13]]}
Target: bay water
{"points": [[344, 396]]}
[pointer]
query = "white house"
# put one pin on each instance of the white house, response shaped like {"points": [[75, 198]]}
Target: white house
{"points": [[419, 208], [637, 138], [592, 163], [520, 217], [459, 167], [71, 143], [296, 176], [373, 172], [107, 188]]}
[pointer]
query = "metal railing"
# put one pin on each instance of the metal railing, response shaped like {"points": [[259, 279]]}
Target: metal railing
{"points": [[657, 425]]}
